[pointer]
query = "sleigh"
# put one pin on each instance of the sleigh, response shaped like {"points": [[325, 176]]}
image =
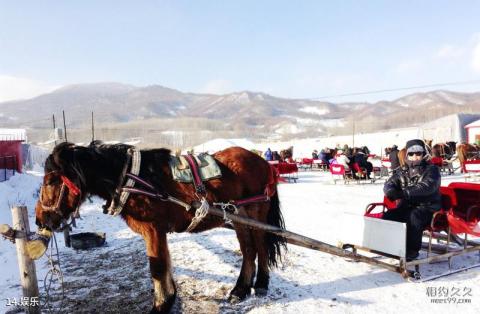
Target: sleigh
{"points": [[357, 174], [444, 165], [451, 226], [339, 172], [318, 164], [471, 170], [304, 163], [386, 167], [288, 171]]}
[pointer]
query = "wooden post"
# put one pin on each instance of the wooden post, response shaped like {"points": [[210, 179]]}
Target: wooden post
{"points": [[28, 276], [64, 126], [66, 231], [93, 129], [54, 135]]}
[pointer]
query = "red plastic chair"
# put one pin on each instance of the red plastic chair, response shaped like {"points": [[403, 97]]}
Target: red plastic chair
{"points": [[340, 171]]}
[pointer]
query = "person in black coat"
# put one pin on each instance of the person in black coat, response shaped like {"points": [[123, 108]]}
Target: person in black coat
{"points": [[361, 159], [393, 157], [416, 187]]}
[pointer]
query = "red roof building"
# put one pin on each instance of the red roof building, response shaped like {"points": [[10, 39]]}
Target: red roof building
{"points": [[11, 149], [473, 132]]}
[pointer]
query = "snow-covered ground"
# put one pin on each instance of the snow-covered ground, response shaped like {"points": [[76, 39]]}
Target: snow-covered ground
{"points": [[115, 278]]}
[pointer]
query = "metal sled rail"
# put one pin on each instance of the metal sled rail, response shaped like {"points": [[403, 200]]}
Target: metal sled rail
{"points": [[299, 240], [306, 242]]}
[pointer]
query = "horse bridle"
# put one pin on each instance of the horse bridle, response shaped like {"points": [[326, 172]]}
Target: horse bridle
{"points": [[66, 184]]}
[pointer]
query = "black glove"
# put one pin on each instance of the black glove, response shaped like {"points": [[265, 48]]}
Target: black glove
{"points": [[395, 195]]}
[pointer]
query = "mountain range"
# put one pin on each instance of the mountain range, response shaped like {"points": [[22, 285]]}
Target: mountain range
{"points": [[163, 115]]}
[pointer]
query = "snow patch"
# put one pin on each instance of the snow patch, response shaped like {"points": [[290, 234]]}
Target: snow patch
{"points": [[288, 128], [403, 104], [451, 98], [333, 123], [314, 110], [243, 98], [259, 97]]}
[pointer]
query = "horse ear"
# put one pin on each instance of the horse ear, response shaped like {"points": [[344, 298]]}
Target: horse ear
{"points": [[95, 143], [66, 154], [63, 154]]}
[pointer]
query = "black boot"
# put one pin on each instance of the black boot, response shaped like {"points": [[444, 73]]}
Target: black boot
{"points": [[411, 255]]}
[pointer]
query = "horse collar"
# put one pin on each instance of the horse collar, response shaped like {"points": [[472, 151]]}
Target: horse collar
{"points": [[121, 196]]}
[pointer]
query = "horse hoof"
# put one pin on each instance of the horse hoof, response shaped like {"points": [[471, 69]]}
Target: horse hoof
{"points": [[261, 292], [233, 299], [238, 295]]}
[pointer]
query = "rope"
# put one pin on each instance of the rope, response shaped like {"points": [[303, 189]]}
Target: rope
{"points": [[200, 213], [50, 278], [224, 207]]}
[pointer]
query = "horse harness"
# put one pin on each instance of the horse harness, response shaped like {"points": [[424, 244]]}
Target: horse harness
{"points": [[123, 191], [66, 183], [201, 205]]}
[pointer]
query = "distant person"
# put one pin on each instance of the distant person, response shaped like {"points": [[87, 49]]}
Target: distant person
{"points": [[327, 157], [268, 155], [315, 154], [342, 159], [276, 156], [361, 159], [416, 187], [321, 156], [393, 157]]}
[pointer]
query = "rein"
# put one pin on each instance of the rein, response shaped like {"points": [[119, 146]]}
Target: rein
{"points": [[72, 188], [201, 206], [121, 195]]}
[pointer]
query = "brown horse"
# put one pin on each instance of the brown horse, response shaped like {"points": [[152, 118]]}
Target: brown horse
{"points": [[444, 150], [286, 154], [402, 157], [467, 152], [74, 172]]}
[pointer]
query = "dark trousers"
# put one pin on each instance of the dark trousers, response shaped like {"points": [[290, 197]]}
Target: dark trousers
{"points": [[417, 219]]}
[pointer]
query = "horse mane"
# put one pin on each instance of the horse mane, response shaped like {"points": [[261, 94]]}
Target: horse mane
{"points": [[100, 164]]}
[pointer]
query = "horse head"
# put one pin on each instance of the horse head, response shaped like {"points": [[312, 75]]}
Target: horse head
{"points": [[63, 188], [453, 146]]}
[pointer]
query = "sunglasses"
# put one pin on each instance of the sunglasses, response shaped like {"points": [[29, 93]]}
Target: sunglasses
{"points": [[415, 154]]}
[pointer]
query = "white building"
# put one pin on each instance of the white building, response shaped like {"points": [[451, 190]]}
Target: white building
{"points": [[473, 132], [448, 128], [13, 135]]}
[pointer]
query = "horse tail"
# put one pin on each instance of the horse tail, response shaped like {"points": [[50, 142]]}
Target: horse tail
{"points": [[275, 243]]}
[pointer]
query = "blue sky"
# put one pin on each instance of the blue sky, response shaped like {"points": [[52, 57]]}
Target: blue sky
{"points": [[297, 49]]}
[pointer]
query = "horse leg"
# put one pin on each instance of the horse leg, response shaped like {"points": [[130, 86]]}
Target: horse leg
{"points": [[263, 273], [161, 270], [260, 213], [245, 280]]}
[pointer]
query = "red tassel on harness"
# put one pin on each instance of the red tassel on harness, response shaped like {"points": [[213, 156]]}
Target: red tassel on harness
{"points": [[273, 178], [71, 186]]}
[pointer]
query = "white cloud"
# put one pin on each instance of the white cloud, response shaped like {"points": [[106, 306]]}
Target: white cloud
{"points": [[450, 52], [13, 88], [217, 87], [476, 57]]}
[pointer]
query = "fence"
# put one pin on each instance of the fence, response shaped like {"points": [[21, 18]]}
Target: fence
{"points": [[8, 166]]}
